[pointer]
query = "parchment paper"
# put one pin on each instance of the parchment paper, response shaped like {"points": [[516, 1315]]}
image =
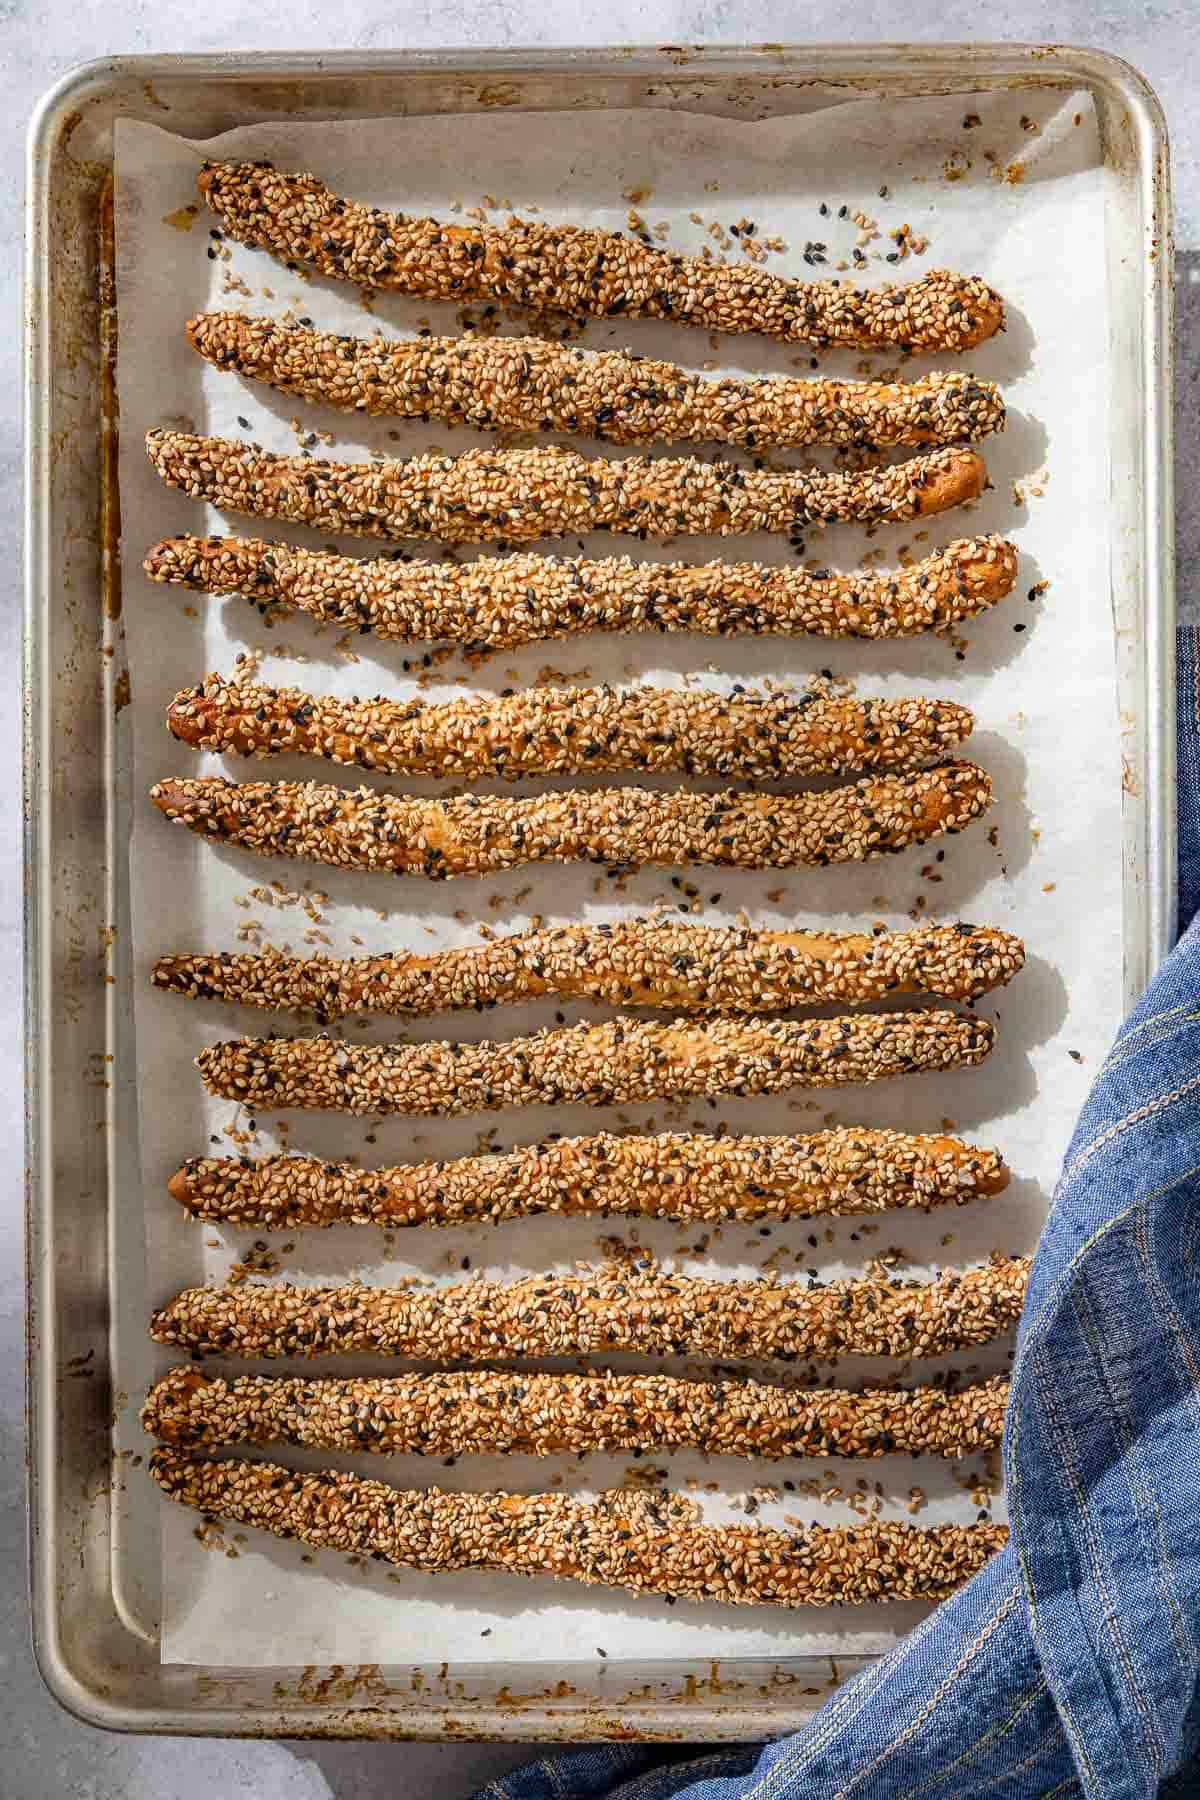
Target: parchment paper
{"points": [[1016, 196]]}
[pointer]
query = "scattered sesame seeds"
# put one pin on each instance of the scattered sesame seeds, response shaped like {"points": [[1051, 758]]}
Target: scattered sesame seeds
{"points": [[667, 1175], [625, 1060], [486, 1412], [583, 272], [621, 827], [615, 1308], [563, 731], [500, 602], [527, 384], [636, 962]]}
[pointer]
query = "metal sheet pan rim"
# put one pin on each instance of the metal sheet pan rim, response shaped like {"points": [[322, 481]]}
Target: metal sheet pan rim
{"points": [[116, 1694]]}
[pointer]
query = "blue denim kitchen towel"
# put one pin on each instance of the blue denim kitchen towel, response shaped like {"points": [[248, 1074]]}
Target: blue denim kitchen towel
{"points": [[1069, 1666]]}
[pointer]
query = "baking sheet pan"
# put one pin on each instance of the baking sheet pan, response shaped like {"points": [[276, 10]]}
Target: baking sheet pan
{"points": [[1038, 673], [76, 935]]}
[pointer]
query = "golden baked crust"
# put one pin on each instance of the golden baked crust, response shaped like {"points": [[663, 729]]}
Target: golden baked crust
{"points": [[650, 1543], [517, 496], [662, 1175], [529, 384], [628, 827], [501, 601]]}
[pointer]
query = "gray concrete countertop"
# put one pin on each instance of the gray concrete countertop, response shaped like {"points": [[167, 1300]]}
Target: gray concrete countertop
{"points": [[44, 1754]]}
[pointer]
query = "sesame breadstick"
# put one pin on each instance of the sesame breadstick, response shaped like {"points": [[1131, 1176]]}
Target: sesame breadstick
{"points": [[616, 1308], [475, 834], [566, 731], [648, 1543], [636, 962], [515, 496], [501, 602], [484, 1412], [526, 384], [666, 1175], [625, 1061], [556, 268]]}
